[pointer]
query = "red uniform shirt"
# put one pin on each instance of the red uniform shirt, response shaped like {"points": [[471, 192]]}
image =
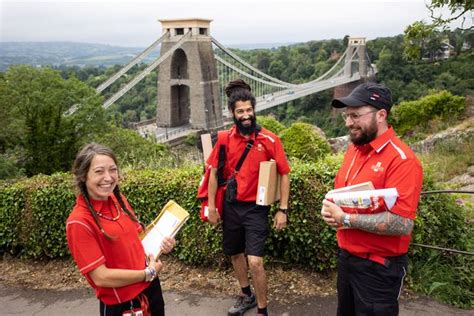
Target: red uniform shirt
{"points": [[267, 146], [388, 163], [90, 248]]}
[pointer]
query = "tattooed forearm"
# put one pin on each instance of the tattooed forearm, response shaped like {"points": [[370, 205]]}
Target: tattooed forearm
{"points": [[384, 223]]}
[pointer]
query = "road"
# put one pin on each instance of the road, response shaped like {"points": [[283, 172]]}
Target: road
{"points": [[19, 301]]}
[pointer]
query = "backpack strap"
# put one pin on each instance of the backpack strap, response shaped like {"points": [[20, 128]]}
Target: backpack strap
{"points": [[223, 139]]}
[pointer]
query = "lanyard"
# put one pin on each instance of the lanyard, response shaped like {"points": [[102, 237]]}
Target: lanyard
{"points": [[358, 170]]}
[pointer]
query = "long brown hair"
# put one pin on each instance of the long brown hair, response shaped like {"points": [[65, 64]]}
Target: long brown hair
{"points": [[81, 167]]}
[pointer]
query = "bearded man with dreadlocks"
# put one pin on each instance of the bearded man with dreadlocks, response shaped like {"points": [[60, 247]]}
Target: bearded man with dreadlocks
{"points": [[103, 237], [245, 224]]}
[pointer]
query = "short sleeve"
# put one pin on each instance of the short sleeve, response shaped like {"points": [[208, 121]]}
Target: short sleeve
{"points": [[213, 159], [84, 246], [407, 177], [283, 166]]}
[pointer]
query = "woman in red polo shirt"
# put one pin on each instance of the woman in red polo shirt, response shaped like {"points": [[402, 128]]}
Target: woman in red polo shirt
{"points": [[103, 237]]}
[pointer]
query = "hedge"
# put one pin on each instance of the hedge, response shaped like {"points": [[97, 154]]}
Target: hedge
{"points": [[33, 214]]}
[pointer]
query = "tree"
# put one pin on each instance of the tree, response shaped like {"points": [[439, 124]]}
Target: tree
{"points": [[457, 8], [416, 37], [38, 99], [419, 31]]}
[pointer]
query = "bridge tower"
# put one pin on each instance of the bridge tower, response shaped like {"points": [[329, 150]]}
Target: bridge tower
{"points": [[354, 63], [188, 90], [356, 45]]}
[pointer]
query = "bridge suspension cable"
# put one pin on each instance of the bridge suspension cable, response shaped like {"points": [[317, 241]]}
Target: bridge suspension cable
{"points": [[145, 72], [227, 64], [241, 61], [132, 63]]}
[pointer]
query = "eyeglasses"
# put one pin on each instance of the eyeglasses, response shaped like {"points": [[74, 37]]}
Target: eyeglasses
{"points": [[355, 116]]}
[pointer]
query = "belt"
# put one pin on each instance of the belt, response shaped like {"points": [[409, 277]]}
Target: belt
{"points": [[369, 256]]}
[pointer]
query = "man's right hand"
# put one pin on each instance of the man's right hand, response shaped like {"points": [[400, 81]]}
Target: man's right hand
{"points": [[213, 216]]}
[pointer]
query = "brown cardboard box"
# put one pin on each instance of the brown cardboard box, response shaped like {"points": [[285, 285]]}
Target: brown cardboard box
{"points": [[206, 145], [268, 189]]}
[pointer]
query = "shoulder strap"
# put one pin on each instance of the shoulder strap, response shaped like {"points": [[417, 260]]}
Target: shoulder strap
{"points": [[249, 145], [224, 140]]}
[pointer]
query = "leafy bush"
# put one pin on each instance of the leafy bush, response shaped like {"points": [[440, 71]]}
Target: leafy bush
{"points": [[270, 123], [302, 141], [33, 213], [445, 276], [131, 148], [419, 115]]}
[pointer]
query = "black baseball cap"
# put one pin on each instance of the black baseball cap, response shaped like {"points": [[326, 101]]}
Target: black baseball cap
{"points": [[370, 93]]}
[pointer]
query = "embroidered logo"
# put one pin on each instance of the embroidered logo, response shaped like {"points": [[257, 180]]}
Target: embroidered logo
{"points": [[377, 167], [259, 147]]}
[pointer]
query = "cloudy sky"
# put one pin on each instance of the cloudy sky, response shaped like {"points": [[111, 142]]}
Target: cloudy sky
{"points": [[135, 23]]}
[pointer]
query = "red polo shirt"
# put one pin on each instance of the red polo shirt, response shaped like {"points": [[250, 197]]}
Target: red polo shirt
{"points": [[388, 163], [90, 248], [267, 146]]}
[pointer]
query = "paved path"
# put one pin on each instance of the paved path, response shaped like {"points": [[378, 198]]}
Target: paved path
{"points": [[17, 301]]}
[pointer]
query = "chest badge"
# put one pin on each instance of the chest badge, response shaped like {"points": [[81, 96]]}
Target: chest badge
{"points": [[259, 147], [378, 167]]}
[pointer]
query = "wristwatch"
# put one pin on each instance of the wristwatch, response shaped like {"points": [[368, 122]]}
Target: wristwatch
{"points": [[284, 210], [346, 222]]}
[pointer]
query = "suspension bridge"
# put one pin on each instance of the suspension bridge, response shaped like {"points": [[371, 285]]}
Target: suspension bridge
{"points": [[194, 69]]}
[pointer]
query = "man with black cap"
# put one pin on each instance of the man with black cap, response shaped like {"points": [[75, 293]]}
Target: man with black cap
{"points": [[372, 260]]}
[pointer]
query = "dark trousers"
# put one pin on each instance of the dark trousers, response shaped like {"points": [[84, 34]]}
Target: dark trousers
{"points": [[155, 302], [366, 287]]}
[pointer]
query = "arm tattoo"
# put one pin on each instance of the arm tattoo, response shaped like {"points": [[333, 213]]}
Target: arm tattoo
{"points": [[384, 223]]}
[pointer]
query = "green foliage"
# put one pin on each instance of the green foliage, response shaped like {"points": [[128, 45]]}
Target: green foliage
{"points": [[303, 141], [131, 148], [445, 276], [271, 123], [8, 167], [35, 101], [192, 139], [450, 158], [416, 36], [419, 115], [137, 104], [33, 213]]}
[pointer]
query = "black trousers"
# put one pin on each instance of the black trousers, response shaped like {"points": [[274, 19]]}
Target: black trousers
{"points": [[155, 302], [366, 287]]}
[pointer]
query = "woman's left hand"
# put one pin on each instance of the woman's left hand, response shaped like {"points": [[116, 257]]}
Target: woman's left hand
{"points": [[168, 244]]}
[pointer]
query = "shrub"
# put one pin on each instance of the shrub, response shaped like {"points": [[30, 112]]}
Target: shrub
{"points": [[446, 276], [303, 141], [419, 115], [132, 149], [33, 213], [270, 123]]}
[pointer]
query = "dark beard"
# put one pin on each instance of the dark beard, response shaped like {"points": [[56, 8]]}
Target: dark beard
{"points": [[246, 130], [367, 136]]}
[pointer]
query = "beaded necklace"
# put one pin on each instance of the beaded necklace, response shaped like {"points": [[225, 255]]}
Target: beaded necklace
{"points": [[108, 217]]}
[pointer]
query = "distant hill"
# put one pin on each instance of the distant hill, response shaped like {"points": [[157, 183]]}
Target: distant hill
{"points": [[66, 53], [81, 54]]}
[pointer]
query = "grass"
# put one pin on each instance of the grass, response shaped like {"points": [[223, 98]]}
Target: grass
{"points": [[453, 157]]}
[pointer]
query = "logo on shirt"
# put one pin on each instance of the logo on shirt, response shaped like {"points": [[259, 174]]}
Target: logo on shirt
{"points": [[378, 167], [259, 147]]}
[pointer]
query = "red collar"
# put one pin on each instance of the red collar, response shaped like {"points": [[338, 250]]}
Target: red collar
{"points": [[233, 132], [379, 142], [98, 205]]}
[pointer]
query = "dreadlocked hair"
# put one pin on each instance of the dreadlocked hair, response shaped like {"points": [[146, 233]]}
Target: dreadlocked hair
{"points": [[238, 90], [119, 198], [83, 188]]}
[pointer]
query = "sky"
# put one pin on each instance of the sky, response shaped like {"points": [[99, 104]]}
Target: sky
{"points": [[135, 23]]}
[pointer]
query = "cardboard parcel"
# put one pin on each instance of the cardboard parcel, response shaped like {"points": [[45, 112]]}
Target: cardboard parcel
{"points": [[268, 188]]}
